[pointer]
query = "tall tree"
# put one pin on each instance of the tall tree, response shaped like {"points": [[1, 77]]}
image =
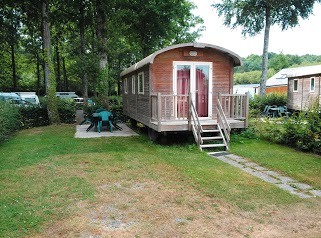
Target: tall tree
{"points": [[159, 23], [255, 15], [102, 8], [10, 24], [50, 80]]}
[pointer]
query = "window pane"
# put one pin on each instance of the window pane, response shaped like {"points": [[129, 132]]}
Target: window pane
{"points": [[141, 83], [312, 84], [295, 86], [202, 78]]}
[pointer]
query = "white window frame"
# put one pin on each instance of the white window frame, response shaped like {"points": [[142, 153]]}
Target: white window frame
{"points": [[140, 85], [312, 79], [125, 86], [133, 84], [297, 85]]}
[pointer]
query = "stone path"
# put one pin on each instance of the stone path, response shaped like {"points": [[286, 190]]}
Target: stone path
{"points": [[286, 183]]}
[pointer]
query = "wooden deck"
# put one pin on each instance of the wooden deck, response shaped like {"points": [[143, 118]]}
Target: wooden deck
{"points": [[182, 125]]}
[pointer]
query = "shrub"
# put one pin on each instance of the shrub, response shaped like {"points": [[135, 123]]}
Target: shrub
{"points": [[303, 130], [115, 105], [33, 117], [9, 119], [257, 104], [38, 116]]}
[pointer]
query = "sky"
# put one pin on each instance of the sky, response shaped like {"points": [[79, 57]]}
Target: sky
{"points": [[301, 40]]}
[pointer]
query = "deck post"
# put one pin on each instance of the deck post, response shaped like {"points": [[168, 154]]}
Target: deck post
{"points": [[247, 110], [189, 111], [159, 109]]}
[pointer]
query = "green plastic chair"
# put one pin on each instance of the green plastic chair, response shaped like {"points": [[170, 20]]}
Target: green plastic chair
{"points": [[105, 116]]}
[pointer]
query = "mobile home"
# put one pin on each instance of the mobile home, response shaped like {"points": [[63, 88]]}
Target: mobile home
{"points": [[186, 87], [304, 87]]}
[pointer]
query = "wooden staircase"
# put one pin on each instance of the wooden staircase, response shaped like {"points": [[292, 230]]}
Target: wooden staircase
{"points": [[210, 134]]}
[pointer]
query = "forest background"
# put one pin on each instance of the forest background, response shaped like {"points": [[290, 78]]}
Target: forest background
{"points": [[131, 32]]}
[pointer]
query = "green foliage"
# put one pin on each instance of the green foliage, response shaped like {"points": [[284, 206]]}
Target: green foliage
{"points": [[257, 104], [251, 14], [102, 86], [37, 116], [115, 105], [251, 77], [276, 62], [9, 119], [33, 117], [304, 130]]}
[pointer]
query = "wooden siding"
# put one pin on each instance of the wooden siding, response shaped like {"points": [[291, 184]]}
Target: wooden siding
{"points": [[137, 106], [222, 78], [303, 98], [277, 89]]}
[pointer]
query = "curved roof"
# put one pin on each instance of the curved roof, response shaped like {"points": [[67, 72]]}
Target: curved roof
{"points": [[150, 59]]}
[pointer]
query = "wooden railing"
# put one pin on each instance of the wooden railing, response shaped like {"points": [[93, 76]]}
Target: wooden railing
{"points": [[169, 107], [235, 106], [195, 124], [223, 123]]}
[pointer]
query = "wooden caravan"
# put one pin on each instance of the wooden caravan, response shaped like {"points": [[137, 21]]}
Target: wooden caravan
{"points": [[186, 87], [304, 87]]}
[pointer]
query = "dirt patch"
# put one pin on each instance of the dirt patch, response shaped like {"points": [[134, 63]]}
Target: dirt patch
{"points": [[147, 208]]}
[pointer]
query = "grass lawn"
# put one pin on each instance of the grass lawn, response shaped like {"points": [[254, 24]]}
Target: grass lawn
{"points": [[54, 185], [301, 166]]}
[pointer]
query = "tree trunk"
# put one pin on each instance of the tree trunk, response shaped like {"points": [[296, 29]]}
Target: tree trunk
{"points": [[265, 56], [84, 76], [38, 74], [58, 67], [119, 79], [14, 72], [50, 81], [66, 86], [101, 40]]}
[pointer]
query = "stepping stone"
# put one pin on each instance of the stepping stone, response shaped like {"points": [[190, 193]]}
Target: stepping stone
{"points": [[266, 177], [316, 193], [216, 154], [250, 164], [255, 166], [285, 179], [236, 158], [287, 187], [231, 162], [260, 168], [272, 173], [302, 186]]}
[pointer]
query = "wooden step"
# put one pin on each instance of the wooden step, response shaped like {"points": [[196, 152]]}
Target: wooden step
{"points": [[212, 138], [212, 145], [211, 130]]}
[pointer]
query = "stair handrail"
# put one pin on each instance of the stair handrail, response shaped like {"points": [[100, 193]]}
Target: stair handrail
{"points": [[222, 121], [196, 125]]}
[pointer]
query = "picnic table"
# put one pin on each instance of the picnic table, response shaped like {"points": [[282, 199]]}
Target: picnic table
{"points": [[96, 118], [275, 111]]}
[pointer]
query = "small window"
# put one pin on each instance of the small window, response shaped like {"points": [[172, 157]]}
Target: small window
{"points": [[312, 85], [295, 85], [133, 84], [140, 83], [125, 86]]}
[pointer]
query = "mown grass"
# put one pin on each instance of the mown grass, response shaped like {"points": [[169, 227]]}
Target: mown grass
{"points": [[304, 167], [45, 171]]}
